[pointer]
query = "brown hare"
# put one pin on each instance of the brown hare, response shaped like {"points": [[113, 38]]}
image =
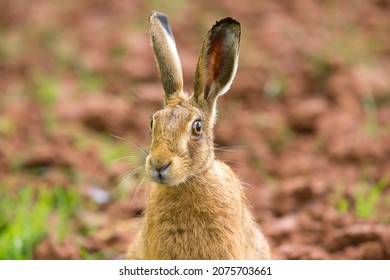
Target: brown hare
{"points": [[196, 207]]}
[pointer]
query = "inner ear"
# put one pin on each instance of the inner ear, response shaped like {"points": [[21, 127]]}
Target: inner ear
{"points": [[218, 59], [214, 63]]}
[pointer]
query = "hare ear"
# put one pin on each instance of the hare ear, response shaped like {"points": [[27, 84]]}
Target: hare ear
{"points": [[218, 60], [168, 61]]}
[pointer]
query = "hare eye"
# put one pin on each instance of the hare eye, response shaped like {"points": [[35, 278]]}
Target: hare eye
{"points": [[151, 124], [196, 128]]}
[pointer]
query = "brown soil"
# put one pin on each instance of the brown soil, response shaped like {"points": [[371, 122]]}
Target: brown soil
{"points": [[305, 123]]}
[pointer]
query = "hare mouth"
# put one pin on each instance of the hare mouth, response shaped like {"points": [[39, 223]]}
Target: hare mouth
{"points": [[158, 177], [165, 179], [161, 179]]}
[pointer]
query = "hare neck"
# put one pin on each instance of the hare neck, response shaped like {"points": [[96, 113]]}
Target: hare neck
{"points": [[215, 184], [207, 211]]}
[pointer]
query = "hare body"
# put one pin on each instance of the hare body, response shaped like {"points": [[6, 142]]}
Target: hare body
{"points": [[200, 219], [196, 207]]}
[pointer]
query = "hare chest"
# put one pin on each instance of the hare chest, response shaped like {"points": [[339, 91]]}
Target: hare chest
{"points": [[194, 222]]}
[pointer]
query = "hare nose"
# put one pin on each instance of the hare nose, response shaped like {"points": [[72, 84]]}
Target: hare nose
{"points": [[160, 164]]}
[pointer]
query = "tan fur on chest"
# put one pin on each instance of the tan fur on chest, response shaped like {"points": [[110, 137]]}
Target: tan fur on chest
{"points": [[194, 221]]}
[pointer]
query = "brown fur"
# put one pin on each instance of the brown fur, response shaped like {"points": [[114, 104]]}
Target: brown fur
{"points": [[196, 208]]}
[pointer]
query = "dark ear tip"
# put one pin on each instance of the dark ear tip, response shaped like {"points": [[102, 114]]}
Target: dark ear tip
{"points": [[158, 15], [226, 22], [162, 18]]}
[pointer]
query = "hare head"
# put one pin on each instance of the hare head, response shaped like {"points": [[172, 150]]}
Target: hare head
{"points": [[182, 132]]}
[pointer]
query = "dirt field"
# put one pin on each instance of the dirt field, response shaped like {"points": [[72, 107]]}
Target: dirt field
{"points": [[306, 123]]}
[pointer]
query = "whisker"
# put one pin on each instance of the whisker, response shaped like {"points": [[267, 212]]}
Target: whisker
{"points": [[117, 137], [135, 99], [130, 159], [139, 185], [139, 147], [247, 184], [132, 141], [235, 162], [228, 148], [137, 93], [136, 193], [124, 177], [231, 146]]}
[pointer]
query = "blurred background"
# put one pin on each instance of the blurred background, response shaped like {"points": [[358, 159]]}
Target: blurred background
{"points": [[306, 123]]}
